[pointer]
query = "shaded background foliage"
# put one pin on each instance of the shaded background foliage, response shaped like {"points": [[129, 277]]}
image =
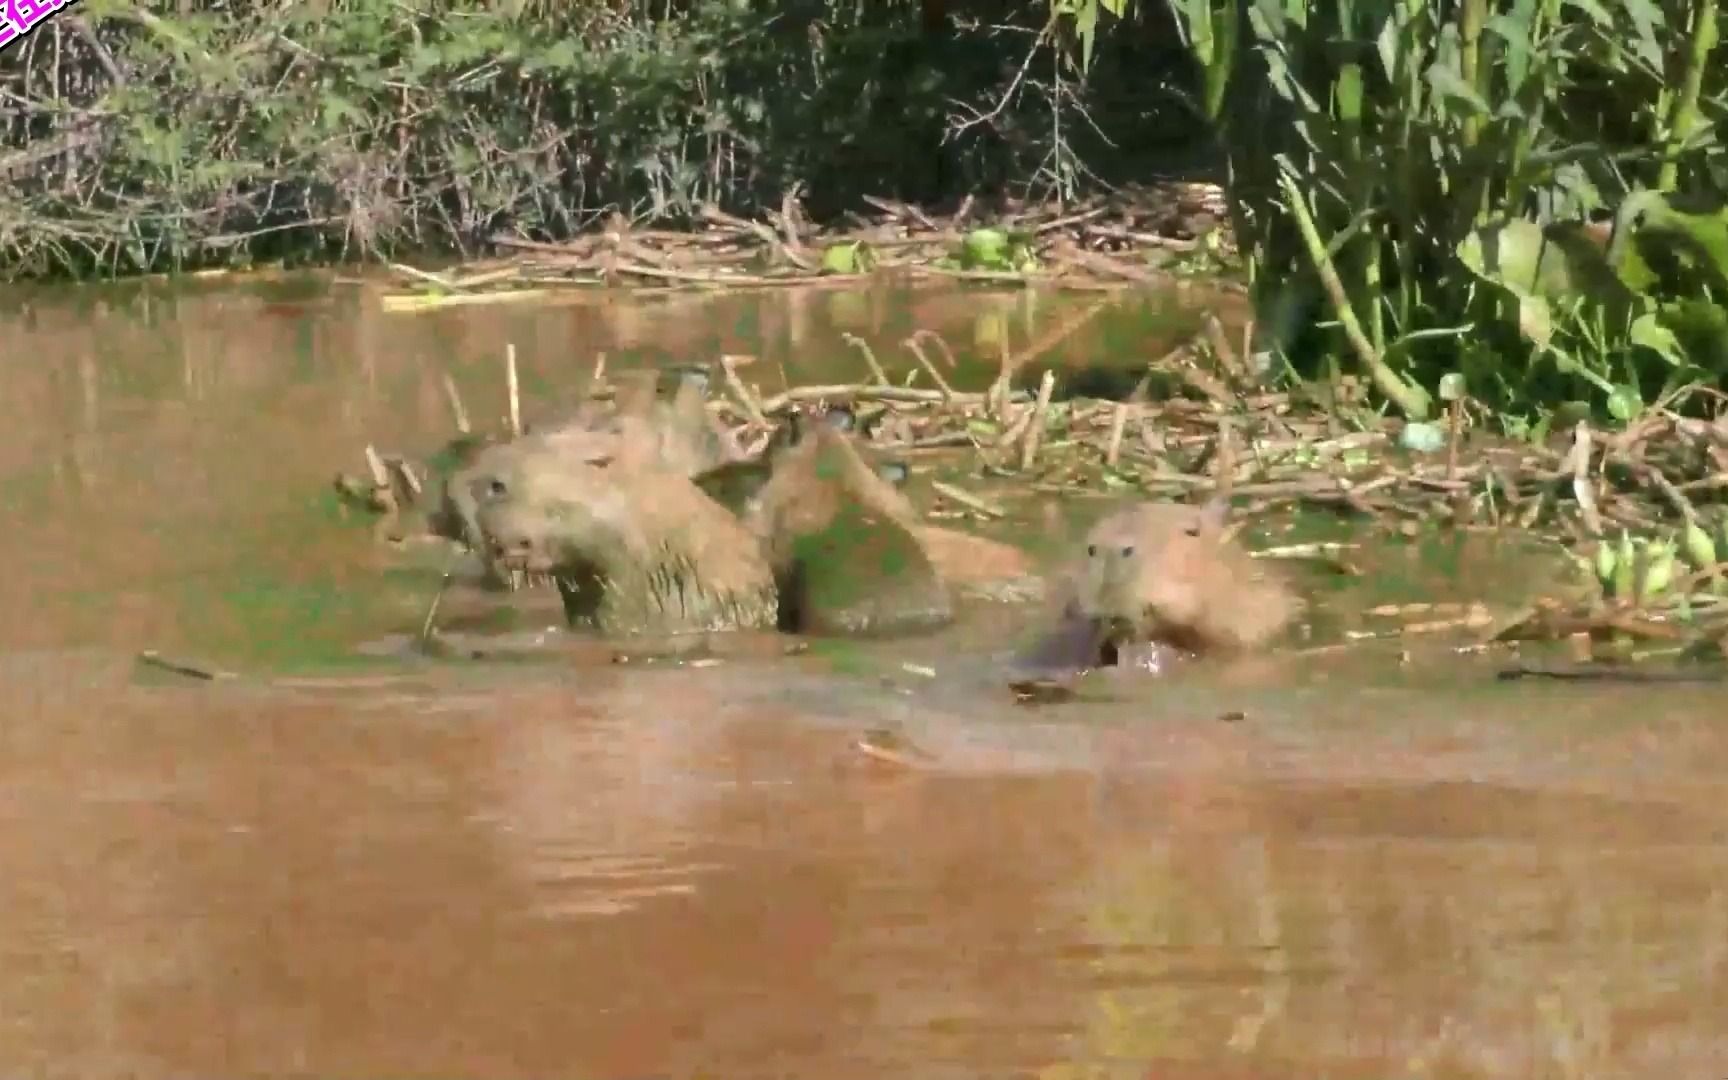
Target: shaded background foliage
{"points": [[147, 137]]}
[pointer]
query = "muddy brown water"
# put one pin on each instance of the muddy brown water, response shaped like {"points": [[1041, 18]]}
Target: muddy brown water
{"points": [[563, 870]]}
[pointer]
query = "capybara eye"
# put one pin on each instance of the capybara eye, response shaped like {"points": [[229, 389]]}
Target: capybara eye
{"points": [[1193, 530], [1128, 552], [497, 488], [1091, 551]]}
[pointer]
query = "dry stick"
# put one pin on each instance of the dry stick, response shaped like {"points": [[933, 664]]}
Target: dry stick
{"points": [[426, 624], [1453, 409], [996, 402], [375, 466], [1035, 428], [863, 346], [405, 472], [1688, 582], [947, 353], [456, 409], [1234, 371], [1016, 431], [1580, 462], [967, 499], [929, 368], [904, 395], [1226, 467], [752, 408], [1118, 423], [515, 390], [430, 278], [1054, 336], [382, 489], [599, 375]]}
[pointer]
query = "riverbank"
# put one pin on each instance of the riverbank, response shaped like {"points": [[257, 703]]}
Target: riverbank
{"points": [[1149, 236]]}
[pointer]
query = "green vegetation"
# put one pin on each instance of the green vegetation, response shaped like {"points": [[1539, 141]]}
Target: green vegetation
{"points": [[1525, 192], [143, 137]]}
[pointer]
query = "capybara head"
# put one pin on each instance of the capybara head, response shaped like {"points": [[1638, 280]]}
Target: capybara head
{"points": [[518, 501], [632, 544], [1170, 571]]}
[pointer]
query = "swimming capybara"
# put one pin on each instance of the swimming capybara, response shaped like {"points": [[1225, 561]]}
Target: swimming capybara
{"points": [[843, 541], [1158, 579], [680, 436], [633, 546]]}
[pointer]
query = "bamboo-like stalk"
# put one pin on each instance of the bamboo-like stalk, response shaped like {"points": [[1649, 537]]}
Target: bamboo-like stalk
{"points": [[1411, 399], [1684, 117]]}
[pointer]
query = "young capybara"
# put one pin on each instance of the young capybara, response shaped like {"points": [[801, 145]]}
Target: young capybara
{"points": [[1160, 578], [843, 541]]}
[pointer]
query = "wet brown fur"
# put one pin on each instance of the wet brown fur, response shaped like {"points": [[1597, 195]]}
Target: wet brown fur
{"points": [[823, 501], [1171, 573], [636, 548], [644, 432]]}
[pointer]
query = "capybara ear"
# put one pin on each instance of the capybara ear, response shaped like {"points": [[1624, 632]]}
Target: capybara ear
{"points": [[1213, 516]]}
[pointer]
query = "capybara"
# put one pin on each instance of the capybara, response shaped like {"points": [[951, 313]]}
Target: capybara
{"points": [[633, 546], [1157, 578], [842, 540], [680, 436]]}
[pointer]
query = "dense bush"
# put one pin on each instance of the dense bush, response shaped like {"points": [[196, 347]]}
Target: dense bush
{"points": [[1529, 192], [212, 131]]}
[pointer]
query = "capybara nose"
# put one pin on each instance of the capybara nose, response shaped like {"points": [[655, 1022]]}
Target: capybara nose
{"points": [[503, 549]]}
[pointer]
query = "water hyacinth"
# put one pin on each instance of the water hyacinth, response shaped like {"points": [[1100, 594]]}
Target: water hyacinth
{"points": [[1605, 560], [1634, 570], [1658, 569], [1625, 568], [1701, 547]]}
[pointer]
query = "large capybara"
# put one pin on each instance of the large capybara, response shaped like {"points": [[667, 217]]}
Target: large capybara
{"points": [[843, 541], [1156, 580], [680, 436], [633, 546]]}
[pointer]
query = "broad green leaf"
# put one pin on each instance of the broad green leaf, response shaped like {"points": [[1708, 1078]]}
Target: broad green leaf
{"points": [[1535, 320], [985, 247], [1624, 403], [841, 258], [1649, 333], [1448, 83], [1349, 94], [1386, 44], [1086, 26]]}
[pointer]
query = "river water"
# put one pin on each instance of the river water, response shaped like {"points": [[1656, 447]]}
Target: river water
{"points": [[1325, 866]]}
